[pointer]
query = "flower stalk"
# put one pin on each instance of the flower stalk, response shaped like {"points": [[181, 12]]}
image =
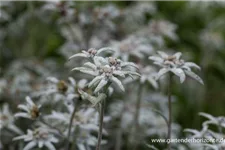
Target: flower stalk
{"points": [[170, 110], [70, 126], [136, 115]]}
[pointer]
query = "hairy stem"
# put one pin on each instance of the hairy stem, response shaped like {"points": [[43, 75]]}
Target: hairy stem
{"points": [[101, 117], [136, 117], [70, 126], [170, 111]]}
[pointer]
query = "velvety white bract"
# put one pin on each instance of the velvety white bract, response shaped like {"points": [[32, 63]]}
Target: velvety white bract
{"points": [[176, 65]]}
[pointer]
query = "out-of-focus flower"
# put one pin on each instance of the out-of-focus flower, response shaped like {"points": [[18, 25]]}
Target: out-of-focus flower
{"points": [[61, 90], [39, 137], [84, 123], [107, 12], [148, 74], [173, 63], [31, 110], [132, 46], [7, 120], [212, 40], [163, 28], [65, 9]]}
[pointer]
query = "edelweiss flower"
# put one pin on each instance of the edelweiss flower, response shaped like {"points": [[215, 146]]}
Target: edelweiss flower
{"points": [[164, 28], [31, 110], [7, 120], [90, 53], [173, 63], [106, 71], [62, 89], [86, 120], [39, 137]]}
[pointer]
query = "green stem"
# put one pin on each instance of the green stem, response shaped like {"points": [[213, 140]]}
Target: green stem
{"points": [[100, 124], [70, 126], [101, 117], [170, 111], [136, 116]]}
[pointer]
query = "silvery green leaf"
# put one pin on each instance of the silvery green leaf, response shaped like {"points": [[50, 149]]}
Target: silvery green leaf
{"points": [[95, 81], [101, 84], [49, 145], [88, 97], [90, 65], [30, 145], [214, 147], [118, 83], [180, 73], [52, 79], [191, 64], [100, 61], [194, 76], [155, 58], [132, 73], [192, 131], [78, 55], [124, 64], [72, 81], [119, 73], [108, 49], [186, 67], [152, 147], [153, 83], [161, 73], [177, 55], [86, 70], [162, 54], [210, 117], [159, 64]]}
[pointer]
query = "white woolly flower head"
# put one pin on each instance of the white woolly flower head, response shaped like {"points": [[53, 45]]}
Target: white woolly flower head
{"points": [[39, 137], [107, 71], [176, 65], [7, 120], [31, 110]]}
